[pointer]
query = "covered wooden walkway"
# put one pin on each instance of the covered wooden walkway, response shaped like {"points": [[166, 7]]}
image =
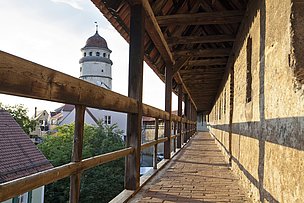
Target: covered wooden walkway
{"points": [[198, 173]]}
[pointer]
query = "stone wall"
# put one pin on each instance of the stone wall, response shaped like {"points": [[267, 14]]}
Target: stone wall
{"points": [[263, 137]]}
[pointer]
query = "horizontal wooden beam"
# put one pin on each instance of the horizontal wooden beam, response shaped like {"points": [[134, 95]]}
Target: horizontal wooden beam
{"points": [[200, 39], [152, 143], [206, 18], [156, 35], [19, 186], [24, 78], [207, 62], [203, 52]]}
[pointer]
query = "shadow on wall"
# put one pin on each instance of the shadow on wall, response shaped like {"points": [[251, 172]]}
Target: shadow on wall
{"points": [[287, 132]]}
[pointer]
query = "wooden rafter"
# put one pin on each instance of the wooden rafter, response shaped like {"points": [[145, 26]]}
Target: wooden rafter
{"points": [[200, 39], [206, 18], [207, 62], [203, 52], [179, 78], [179, 64], [156, 35]]}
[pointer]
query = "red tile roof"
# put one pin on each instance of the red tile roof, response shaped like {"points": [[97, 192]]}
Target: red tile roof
{"points": [[18, 155]]}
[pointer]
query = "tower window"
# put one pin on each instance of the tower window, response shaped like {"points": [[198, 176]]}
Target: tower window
{"points": [[85, 54], [107, 120], [249, 71], [90, 53], [97, 53], [108, 55], [104, 54], [101, 70], [80, 69]]}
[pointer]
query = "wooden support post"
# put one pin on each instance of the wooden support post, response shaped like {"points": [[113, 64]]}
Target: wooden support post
{"points": [[137, 23], [192, 119], [168, 106], [175, 133], [155, 146], [179, 113], [77, 153], [195, 119], [186, 102]]}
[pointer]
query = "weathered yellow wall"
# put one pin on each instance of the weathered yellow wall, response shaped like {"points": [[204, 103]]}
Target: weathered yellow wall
{"points": [[267, 134]]}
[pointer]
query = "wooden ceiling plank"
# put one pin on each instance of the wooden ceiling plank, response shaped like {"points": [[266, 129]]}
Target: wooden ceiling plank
{"points": [[200, 39], [206, 18]]}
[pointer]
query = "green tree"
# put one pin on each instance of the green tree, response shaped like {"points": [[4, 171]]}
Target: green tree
{"points": [[99, 184], [19, 113]]}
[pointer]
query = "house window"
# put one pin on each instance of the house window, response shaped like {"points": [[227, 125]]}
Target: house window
{"points": [[97, 53], [90, 53], [107, 120], [24, 198], [249, 71]]}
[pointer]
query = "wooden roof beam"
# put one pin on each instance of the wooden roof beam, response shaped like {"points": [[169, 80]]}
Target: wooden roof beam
{"points": [[156, 35], [200, 39], [207, 62], [203, 52], [179, 79], [206, 18], [179, 64]]}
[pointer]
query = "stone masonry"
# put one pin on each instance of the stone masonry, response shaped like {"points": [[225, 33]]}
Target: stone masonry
{"points": [[263, 135]]}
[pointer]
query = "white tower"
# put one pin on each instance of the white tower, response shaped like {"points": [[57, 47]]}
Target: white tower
{"points": [[95, 65]]}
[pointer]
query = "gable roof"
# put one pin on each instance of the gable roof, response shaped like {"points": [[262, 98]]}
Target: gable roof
{"points": [[19, 157], [65, 107]]}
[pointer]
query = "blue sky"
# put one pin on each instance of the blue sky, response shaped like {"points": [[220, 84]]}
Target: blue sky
{"points": [[52, 32]]}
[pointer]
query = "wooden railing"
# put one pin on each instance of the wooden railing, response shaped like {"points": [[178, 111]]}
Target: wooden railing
{"points": [[20, 77]]}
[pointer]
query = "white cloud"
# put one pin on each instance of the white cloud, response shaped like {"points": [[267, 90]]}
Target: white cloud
{"points": [[73, 3]]}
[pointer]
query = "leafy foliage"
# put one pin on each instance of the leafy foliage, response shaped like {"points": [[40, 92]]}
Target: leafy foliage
{"points": [[99, 184], [19, 113]]}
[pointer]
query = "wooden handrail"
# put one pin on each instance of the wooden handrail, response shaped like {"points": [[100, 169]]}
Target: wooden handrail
{"points": [[39, 82], [173, 136], [19, 186], [152, 143], [151, 111]]}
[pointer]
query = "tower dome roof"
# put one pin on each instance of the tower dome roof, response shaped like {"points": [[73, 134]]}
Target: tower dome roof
{"points": [[96, 41]]}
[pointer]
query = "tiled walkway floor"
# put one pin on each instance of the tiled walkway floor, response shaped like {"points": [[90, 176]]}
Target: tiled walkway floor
{"points": [[197, 174]]}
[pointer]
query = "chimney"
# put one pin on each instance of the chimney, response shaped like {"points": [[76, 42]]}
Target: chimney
{"points": [[35, 112]]}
